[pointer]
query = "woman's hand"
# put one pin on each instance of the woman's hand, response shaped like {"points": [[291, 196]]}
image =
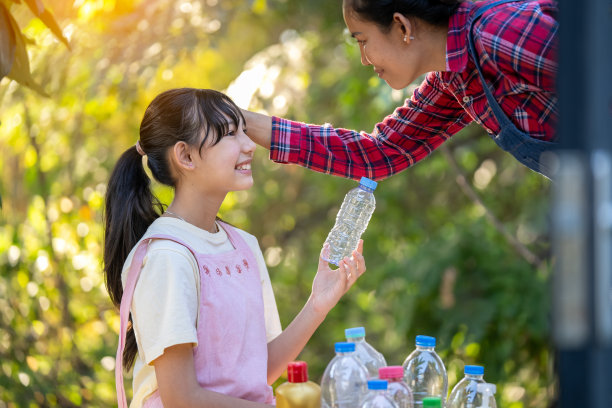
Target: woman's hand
{"points": [[330, 284]]}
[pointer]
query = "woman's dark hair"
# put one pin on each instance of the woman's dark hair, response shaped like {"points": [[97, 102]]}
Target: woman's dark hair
{"points": [[188, 115], [435, 12]]}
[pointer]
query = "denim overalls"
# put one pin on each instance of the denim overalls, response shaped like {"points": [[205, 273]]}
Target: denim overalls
{"points": [[523, 147]]}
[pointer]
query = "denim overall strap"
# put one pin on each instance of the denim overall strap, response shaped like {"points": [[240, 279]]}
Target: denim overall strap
{"points": [[124, 309], [521, 145]]}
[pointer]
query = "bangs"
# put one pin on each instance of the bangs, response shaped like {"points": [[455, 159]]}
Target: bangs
{"points": [[217, 113]]}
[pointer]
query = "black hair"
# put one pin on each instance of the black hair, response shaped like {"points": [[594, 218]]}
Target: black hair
{"points": [[380, 12], [176, 115]]}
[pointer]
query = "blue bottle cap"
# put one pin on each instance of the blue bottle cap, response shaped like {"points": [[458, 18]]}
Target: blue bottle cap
{"points": [[425, 341], [366, 182], [473, 369], [344, 347], [377, 385], [354, 332]]}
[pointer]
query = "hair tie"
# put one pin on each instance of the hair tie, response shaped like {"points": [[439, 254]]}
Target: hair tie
{"points": [[139, 148]]}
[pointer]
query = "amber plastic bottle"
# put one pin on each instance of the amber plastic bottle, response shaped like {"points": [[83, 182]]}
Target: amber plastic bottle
{"points": [[298, 392]]}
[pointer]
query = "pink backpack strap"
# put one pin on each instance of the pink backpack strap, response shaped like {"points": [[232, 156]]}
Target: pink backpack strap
{"points": [[126, 302]]}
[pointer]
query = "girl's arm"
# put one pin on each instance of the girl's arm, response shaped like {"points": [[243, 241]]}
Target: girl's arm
{"points": [[178, 387], [327, 289]]}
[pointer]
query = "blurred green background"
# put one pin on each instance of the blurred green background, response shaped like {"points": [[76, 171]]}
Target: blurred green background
{"points": [[471, 269]]}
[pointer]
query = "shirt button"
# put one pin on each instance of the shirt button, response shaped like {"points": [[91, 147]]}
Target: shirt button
{"points": [[466, 99]]}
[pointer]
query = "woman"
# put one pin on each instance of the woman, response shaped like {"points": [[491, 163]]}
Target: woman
{"points": [[493, 62]]}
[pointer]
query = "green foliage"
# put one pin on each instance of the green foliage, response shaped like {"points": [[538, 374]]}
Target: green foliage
{"points": [[436, 265]]}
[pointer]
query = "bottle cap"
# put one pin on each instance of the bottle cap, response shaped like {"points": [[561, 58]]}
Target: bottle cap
{"points": [[377, 385], [297, 372], [390, 372], [425, 341], [354, 332], [432, 402], [344, 347], [366, 182], [473, 369]]}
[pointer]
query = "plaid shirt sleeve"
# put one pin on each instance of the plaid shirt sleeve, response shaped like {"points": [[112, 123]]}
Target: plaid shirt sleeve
{"points": [[403, 138]]}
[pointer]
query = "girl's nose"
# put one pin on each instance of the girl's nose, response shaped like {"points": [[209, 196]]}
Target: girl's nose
{"points": [[248, 145]]}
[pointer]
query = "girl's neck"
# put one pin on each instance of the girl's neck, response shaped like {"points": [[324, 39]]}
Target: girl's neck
{"points": [[198, 211]]}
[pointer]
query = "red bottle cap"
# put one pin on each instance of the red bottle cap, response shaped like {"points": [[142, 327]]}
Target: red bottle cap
{"points": [[390, 372], [297, 372]]}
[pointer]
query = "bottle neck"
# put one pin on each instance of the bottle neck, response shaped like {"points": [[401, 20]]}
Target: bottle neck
{"points": [[426, 348], [355, 339], [364, 188], [345, 353], [475, 376]]}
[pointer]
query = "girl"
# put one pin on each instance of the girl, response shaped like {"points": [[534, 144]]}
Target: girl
{"points": [[198, 317], [493, 62]]}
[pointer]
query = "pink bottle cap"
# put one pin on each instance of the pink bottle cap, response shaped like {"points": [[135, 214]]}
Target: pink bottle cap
{"points": [[390, 372], [297, 372]]}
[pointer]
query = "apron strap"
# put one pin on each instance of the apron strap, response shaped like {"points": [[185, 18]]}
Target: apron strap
{"points": [[126, 302], [499, 114]]}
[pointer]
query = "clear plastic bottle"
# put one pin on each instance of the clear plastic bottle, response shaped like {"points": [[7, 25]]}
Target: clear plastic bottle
{"points": [[397, 389], [424, 372], [344, 381], [377, 396], [485, 396], [298, 392], [463, 394], [352, 220], [364, 351]]}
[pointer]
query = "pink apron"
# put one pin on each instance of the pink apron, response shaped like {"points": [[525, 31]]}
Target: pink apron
{"points": [[232, 353]]}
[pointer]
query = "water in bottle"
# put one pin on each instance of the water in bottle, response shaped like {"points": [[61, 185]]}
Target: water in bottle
{"points": [[367, 354], [298, 392], [424, 372], [464, 393], [377, 396], [344, 381], [485, 396], [397, 388], [351, 221]]}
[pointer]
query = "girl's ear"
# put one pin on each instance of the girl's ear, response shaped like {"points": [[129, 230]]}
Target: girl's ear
{"points": [[182, 156], [405, 26]]}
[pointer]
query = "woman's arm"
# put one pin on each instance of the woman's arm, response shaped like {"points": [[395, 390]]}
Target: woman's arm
{"points": [[259, 127], [327, 289], [178, 387]]}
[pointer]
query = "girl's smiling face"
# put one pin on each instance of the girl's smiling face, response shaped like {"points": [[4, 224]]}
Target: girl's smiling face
{"points": [[226, 165]]}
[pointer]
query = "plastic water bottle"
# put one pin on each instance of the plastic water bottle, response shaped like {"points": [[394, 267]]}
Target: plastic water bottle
{"points": [[432, 402], [344, 381], [424, 372], [298, 392], [364, 351], [377, 395], [352, 220], [464, 393], [397, 389], [485, 396]]}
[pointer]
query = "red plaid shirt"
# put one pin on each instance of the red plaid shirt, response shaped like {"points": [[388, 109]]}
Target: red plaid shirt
{"points": [[516, 44]]}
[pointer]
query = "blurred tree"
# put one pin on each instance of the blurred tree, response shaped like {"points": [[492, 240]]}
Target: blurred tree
{"points": [[470, 269]]}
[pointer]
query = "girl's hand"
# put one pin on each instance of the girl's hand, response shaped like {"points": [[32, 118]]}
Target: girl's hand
{"points": [[330, 284]]}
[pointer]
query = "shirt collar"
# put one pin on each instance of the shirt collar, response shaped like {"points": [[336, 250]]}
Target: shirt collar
{"points": [[456, 42]]}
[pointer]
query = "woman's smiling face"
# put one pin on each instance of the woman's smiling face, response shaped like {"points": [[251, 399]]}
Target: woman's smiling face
{"points": [[393, 58]]}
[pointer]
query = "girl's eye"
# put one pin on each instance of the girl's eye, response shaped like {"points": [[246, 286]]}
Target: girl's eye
{"points": [[231, 133]]}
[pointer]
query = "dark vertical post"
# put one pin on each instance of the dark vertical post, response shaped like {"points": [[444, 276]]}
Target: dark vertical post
{"points": [[582, 206]]}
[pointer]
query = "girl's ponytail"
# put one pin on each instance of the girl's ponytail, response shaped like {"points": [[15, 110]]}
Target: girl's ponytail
{"points": [[130, 208]]}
